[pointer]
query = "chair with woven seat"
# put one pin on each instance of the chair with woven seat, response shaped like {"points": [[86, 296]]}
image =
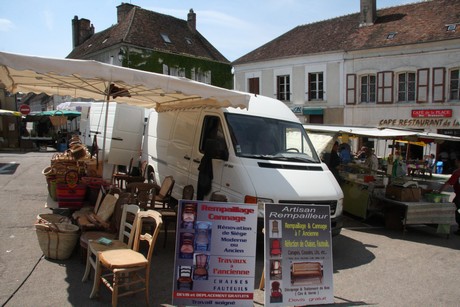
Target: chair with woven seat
{"points": [[202, 236], [275, 269], [129, 269], [125, 240], [201, 267], [163, 197], [186, 245]]}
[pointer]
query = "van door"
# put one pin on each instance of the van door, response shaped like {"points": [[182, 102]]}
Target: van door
{"points": [[128, 128], [210, 149], [180, 147], [124, 129]]}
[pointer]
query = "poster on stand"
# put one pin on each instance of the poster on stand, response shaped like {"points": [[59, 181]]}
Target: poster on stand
{"points": [[298, 255], [215, 254]]}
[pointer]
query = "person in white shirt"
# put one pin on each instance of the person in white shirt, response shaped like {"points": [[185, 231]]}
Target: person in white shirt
{"points": [[372, 162]]}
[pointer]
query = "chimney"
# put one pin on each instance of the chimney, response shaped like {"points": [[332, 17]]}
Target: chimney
{"points": [[82, 29], [123, 10], [191, 20], [368, 13]]}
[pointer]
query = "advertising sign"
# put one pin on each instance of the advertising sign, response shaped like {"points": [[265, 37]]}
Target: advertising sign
{"points": [[427, 113], [298, 255], [215, 254]]}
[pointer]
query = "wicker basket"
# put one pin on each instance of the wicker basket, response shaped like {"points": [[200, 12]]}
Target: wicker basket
{"points": [[57, 240], [58, 119], [51, 218]]}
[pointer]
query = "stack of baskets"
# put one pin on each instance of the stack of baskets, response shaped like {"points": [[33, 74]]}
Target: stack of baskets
{"points": [[56, 236]]}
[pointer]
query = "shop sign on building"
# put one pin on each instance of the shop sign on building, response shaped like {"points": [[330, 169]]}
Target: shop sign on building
{"points": [[215, 254], [430, 113], [298, 255]]}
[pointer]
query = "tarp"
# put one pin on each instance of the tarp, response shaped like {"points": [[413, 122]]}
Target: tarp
{"points": [[91, 79]]}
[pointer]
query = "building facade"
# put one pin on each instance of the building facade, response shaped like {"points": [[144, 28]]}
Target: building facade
{"points": [[154, 42], [396, 67]]}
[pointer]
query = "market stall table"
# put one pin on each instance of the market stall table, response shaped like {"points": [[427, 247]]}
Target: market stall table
{"points": [[422, 212]]}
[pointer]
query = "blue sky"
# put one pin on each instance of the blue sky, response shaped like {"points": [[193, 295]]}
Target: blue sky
{"points": [[234, 27]]}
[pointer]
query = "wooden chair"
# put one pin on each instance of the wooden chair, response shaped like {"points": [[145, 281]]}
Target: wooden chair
{"points": [[185, 278], [163, 197], [275, 269], [275, 228], [118, 177], [143, 193], [276, 295], [275, 249], [201, 267], [125, 240], [129, 268]]}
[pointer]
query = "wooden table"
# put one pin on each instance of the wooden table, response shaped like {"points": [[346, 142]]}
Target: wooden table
{"points": [[420, 213]]}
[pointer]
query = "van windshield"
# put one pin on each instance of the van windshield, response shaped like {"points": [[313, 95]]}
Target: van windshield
{"points": [[268, 138]]}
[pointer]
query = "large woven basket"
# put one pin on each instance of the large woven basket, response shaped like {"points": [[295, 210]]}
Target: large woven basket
{"points": [[57, 240]]}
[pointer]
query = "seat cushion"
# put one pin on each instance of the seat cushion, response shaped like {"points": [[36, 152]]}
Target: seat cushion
{"points": [[122, 258]]}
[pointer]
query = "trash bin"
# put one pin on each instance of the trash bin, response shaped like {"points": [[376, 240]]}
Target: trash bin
{"points": [[439, 165], [62, 145]]}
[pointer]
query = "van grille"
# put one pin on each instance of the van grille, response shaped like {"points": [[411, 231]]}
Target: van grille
{"points": [[331, 203], [290, 166]]}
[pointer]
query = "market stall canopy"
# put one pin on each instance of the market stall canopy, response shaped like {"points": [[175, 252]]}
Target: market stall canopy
{"points": [[96, 80], [10, 113], [69, 114], [382, 133]]}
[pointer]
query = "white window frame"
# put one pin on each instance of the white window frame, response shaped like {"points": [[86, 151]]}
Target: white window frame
{"points": [[406, 85], [457, 81], [283, 72], [360, 78], [315, 68]]}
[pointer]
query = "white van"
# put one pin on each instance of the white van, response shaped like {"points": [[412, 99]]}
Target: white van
{"points": [[124, 132], [261, 155]]}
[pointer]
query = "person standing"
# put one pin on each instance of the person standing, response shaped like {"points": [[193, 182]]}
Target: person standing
{"points": [[372, 162], [454, 181], [334, 161]]}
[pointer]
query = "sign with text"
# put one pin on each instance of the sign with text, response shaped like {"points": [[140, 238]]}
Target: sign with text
{"points": [[298, 255], [215, 254], [424, 113]]}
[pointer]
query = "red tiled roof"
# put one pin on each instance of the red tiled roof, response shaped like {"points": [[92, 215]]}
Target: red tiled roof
{"points": [[414, 23], [142, 28]]}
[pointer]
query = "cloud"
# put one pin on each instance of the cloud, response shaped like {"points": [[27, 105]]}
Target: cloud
{"points": [[49, 19], [6, 25]]}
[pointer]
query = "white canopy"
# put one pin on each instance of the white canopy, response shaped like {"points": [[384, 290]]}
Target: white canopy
{"points": [[382, 133], [91, 79]]}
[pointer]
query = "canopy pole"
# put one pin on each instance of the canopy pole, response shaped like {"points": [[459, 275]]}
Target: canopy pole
{"points": [[105, 129]]}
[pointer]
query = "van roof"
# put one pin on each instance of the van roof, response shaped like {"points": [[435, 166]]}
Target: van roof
{"points": [[266, 107]]}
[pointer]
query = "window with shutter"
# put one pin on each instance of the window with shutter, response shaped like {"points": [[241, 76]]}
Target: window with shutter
{"points": [[439, 84], [406, 87], [454, 84], [423, 80], [368, 90], [385, 87], [351, 89], [253, 85]]}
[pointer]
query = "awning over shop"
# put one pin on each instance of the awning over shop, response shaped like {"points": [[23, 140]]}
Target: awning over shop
{"points": [[313, 111], [34, 116]]}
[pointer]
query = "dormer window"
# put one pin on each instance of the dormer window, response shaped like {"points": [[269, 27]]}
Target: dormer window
{"points": [[391, 35], [451, 27], [166, 38], [188, 40]]}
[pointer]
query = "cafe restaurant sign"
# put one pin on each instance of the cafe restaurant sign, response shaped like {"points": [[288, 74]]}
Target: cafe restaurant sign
{"points": [[420, 118]]}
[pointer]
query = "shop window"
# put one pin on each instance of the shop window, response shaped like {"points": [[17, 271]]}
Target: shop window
{"points": [[315, 86], [406, 87], [368, 89], [454, 85], [283, 88]]}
